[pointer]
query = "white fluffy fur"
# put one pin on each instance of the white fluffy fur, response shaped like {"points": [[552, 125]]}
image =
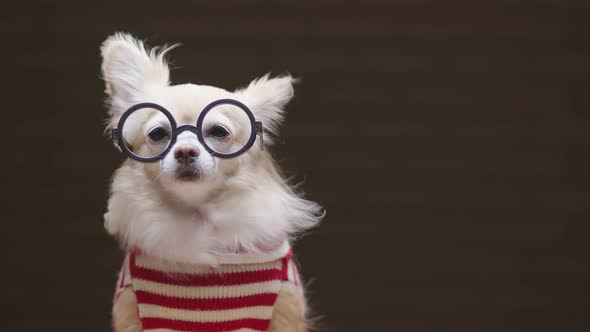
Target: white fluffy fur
{"points": [[239, 203]]}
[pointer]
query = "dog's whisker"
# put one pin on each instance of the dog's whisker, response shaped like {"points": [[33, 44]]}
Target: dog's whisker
{"points": [[158, 177]]}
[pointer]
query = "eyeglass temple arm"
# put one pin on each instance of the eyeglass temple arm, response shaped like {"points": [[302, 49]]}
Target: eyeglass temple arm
{"points": [[115, 135], [259, 131], [115, 138]]}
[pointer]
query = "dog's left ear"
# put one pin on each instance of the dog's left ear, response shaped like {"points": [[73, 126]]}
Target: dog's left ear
{"points": [[267, 97]]}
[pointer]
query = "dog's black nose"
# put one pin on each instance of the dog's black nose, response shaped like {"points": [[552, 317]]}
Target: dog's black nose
{"points": [[185, 154]]}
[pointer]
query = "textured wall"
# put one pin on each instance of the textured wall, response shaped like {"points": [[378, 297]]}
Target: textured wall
{"points": [[447, 140]]}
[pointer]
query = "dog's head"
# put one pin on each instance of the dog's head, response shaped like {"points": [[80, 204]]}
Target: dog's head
{"points": [[233, 194], [134, 75]]}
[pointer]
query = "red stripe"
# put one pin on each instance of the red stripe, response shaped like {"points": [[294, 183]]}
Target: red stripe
{"points": [[267, 299], [121, 282], [211, 279], [160, 323]]}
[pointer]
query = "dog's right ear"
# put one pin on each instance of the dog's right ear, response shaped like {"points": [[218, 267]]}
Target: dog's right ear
{"points": [[128, 68]]}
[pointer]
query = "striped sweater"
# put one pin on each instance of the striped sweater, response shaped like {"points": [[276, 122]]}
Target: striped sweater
{"points": [[238, 295]]}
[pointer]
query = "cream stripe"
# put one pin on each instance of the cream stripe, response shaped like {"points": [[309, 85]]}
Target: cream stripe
{"points": [[165, 266], [291, 271], [272, 286], [155, 311], [127, 279]]}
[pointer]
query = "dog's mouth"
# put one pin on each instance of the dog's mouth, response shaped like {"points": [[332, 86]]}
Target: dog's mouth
{"points": [[187, 173]]}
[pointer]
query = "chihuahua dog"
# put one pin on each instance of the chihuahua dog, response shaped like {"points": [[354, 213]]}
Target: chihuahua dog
{"points": [[207, 229]]}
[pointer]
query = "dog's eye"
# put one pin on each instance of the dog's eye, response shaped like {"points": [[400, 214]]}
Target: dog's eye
{"points": [[158, 134], [218, 132]]}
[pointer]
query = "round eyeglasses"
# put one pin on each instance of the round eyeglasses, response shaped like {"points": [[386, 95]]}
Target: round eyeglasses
{"points": [[226, 128]]}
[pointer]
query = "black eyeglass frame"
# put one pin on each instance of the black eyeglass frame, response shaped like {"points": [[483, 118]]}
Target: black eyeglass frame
{"points": [[117, 133]]}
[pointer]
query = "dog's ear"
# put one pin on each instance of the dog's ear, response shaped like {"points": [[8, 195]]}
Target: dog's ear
{"points": [[128, 68], [267, 97]]}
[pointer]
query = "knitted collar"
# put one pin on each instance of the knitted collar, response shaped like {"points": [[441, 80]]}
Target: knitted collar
{"points": [[266, 255]]}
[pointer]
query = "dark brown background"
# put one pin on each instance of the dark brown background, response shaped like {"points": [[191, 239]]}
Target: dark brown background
{"points": [[448, 141]]}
